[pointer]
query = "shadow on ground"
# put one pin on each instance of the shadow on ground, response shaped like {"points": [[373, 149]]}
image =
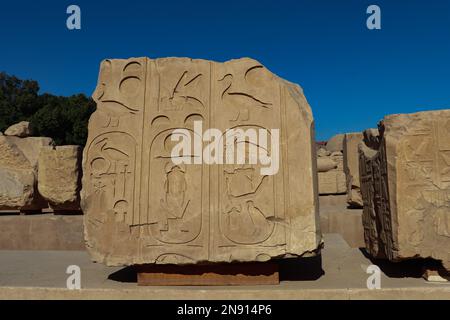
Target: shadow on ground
{"points": [[413, 268], [301, 269], [127, 274]]}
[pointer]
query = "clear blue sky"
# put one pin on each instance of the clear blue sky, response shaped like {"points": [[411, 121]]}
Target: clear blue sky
{"points": [[351, 76]]}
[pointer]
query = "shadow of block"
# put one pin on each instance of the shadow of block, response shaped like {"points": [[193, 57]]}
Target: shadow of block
{"points": [[411, 268], [293, 269], [127, 274], [301, 269]]}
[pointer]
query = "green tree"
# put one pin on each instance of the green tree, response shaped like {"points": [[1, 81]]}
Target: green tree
{"points": [[17, 99], [64, 119]]}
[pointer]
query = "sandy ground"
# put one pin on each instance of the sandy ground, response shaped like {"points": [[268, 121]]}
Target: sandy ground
{"points": [[339, 273]]}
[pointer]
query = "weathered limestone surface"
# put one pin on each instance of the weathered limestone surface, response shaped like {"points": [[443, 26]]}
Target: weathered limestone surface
{"points": [[336, 143], [18, 173], [351, 168], [21, 129], [11, 156], [325, 164], [332, 182], [16, 177], [31, 147], [16, 189], [330, 172], [142, 208], [406, 187], [59, 176]]}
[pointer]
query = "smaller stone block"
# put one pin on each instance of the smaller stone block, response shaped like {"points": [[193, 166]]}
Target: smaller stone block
{"points": [[59, 176]]}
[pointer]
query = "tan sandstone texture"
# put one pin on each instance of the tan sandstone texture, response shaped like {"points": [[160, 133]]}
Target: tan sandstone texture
{"points": [[59, 176], [140, 207], [31, 147], [330, 172], [351, 168], [336, 143], [21, 129], [405, 177], [18, 173]]}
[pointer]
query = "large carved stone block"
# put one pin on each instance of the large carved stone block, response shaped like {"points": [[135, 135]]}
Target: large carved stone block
{"points": [[140, 207], [351, 168], [405, 180]]}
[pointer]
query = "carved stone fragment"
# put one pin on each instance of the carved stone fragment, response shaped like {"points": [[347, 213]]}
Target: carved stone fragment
{"points": [[144, 205], [332, 182], [18, 173], [59, 176], [405, 185], [351, 168], [330, 172]]}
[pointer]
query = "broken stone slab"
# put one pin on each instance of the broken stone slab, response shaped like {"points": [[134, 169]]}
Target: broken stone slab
{"points": [[406, 188], [59, 174], [16, 189], [331, 176], [325, 164], [11, 156], [21, 129], [18, 183], [332, 182], [336, 143], [31, 147], [16, 177], [351, 168], [140, 207]]}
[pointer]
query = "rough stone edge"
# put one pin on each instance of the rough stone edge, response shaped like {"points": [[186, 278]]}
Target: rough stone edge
{"points": [[296, 92]]}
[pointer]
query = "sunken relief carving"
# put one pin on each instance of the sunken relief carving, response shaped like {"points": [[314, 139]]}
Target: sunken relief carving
{"points": [[143, 203]]}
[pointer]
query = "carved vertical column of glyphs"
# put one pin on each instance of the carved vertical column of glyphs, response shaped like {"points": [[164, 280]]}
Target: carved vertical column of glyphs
{"points": [[112, 156], [248, 203], [176, 197], [406, 187]]}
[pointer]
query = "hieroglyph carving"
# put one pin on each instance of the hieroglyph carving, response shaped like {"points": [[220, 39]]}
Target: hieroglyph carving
{"points": [[406, 187], [142, 206]]}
